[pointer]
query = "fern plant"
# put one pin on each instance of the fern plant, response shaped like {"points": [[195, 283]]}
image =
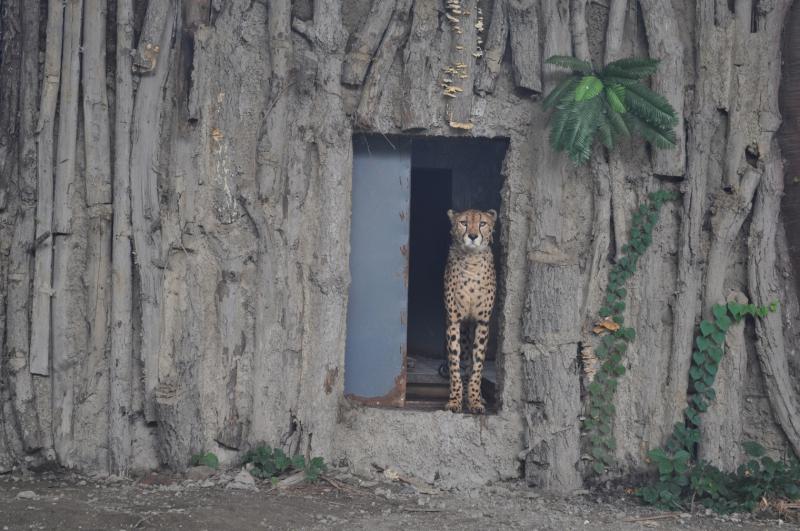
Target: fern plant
{"points": [[608, 104]]}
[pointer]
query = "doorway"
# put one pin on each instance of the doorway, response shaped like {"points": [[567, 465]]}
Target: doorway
{"points": [[400, 237]]}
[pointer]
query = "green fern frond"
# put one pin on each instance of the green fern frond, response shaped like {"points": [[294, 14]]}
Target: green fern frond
{"points": [[581, 148], [618, 125], [604, 131], [572, 116], [615, 80], [607, 106], [588, 88], [559, 123], [615, 94], [631, 68], [564, 88], [579, 137], [660, 137], [572, 63], [649, 106]]}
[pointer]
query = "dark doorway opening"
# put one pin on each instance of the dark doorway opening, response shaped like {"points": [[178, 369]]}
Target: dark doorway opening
{"points": [[431, 190], [445, 173], [400, 238]]}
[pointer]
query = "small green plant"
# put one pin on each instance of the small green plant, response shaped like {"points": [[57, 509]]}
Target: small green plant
{"points": [[612, 347], [208, 459], [314, 468], [271, 464], [610, 104], [681, 482]]}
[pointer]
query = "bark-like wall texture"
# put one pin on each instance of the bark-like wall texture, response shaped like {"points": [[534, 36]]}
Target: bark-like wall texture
{"points": [[175, 187]]}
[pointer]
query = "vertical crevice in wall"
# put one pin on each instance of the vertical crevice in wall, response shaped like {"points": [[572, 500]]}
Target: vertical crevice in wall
{"points": [[789, 135]]}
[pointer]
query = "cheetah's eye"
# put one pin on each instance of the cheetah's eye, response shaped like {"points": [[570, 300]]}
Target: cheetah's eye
{"points": [[483, 223], [463, 223]]}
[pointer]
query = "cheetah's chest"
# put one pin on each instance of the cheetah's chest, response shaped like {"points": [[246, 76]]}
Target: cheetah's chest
{"points": [[470, 285]]}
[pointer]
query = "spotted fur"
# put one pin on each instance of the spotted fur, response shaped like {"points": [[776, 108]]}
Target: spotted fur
{"points": [[469, 292]]}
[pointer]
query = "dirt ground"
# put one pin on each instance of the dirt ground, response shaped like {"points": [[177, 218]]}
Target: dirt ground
{"points": [[210, 501]]}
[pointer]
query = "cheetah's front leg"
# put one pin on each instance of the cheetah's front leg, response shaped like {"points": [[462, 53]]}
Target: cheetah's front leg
{"points": [[474, 401], [453, 357]]}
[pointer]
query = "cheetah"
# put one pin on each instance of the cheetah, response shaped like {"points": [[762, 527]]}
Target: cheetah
{"points": [[469, 292]]}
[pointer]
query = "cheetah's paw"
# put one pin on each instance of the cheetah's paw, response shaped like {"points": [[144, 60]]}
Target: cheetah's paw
{"points": [[477, 408], [453, 405]]}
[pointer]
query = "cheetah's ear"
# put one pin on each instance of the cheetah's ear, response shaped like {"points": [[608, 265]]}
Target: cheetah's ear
{"points": [[450, 214], [493, 213]]}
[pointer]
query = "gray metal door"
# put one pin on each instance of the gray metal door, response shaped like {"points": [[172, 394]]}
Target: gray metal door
{"points": [[375, 371]]}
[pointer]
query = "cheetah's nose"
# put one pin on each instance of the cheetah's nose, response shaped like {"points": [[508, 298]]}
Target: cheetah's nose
{"points": [[473, 237]]}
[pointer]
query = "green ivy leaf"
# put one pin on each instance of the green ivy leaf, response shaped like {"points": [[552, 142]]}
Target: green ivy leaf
{"points": [[605, 311], [719, 311], [711, 369], [682, 456], [710, 393], [735, 309], [715, 353], [698, 357], [699, 403], [628, 333], [718, 338], [753, 449], [695, 373], [598, 452], [702, 343], [724, 323], [707, 328], [598, 467], [657, 454]]}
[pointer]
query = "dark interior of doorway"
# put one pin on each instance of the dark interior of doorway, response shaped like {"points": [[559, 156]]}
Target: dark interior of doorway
{"points": [[446, 173]]}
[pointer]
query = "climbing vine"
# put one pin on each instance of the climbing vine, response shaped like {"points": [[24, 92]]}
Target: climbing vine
{"points": [[680, 482], [613, 345]]}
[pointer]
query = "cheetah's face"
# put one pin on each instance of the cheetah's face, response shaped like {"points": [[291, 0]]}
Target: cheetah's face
{"points": [[472, 228]]}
